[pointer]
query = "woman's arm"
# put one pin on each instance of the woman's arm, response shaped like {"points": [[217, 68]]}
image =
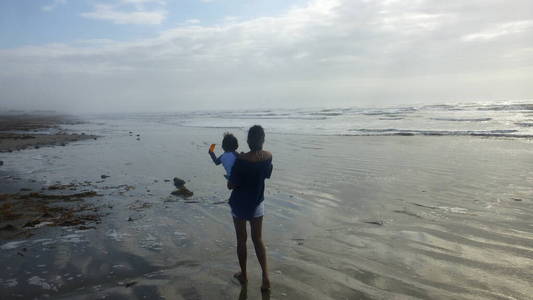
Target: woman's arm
{"points": [[269, 169], [235, 177]]}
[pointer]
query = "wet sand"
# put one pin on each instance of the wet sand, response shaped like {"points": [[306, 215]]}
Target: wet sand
{"points": [[26, 204], [346, 218], [24, 131], [33, 207]]}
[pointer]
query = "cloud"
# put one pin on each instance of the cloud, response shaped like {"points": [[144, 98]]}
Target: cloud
{"points": [[53, 5], [142, 1], [141, 4], [337, 51], [117, 13], [192, 21], [500, 30]]}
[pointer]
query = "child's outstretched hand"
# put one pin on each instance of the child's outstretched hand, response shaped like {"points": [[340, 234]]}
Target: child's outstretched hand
{"points": [[213, 156]]}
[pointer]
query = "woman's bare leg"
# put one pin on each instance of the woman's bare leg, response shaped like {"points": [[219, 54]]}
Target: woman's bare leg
{"points": [[240, 231], [256, 225]]}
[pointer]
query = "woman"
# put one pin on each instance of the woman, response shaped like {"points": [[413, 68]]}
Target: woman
{"points": [[247, 182]]}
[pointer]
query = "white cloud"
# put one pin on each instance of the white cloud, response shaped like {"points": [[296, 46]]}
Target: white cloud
{"points": [[192, 21], [343, 51], [142, 1], [500, 30], [141, 4], [121, 12], [53, 5]]}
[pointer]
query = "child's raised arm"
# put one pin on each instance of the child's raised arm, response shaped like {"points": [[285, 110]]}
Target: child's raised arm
{"points": [[214, 158]]}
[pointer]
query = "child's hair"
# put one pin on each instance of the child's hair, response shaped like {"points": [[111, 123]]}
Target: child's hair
{"points": [[229, 142], [256, 138]]}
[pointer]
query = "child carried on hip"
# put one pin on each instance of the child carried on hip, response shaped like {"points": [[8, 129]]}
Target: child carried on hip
{"points": [[227, 159]]}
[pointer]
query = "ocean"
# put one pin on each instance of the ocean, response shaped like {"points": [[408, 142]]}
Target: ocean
{"points": [[500, 119]]}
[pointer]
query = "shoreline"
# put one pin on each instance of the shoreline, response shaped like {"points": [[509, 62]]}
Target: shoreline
{"points": [[24, 131]]}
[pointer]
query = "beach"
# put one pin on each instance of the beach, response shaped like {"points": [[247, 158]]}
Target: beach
{"points": [[368, 216], [20, 131]]}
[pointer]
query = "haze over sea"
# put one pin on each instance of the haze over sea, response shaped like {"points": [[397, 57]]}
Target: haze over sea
{"points": [[503, 119], [405, 202]]}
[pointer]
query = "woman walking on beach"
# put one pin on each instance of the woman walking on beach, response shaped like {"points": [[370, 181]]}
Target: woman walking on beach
{"points": [[247, 182]]}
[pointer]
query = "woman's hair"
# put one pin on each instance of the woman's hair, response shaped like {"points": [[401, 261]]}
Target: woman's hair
{"points": [[256, 138], [229, 142]]}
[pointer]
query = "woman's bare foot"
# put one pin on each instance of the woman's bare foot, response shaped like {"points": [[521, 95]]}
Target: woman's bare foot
{"points": [[265, 287], [241, 278]]}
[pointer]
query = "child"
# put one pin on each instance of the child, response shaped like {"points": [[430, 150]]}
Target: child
{"points": [[227, 159]]}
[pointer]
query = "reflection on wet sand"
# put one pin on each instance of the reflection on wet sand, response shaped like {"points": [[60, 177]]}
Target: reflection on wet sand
{"points": [[346, 218]]}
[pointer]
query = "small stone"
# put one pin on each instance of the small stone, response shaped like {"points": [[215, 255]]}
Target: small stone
{"points": [[178, 182], [31, 223], [8, 227]]}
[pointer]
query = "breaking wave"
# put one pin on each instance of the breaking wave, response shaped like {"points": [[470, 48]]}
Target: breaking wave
{"points": [[462, 119], [509, 119], [408, 132]]}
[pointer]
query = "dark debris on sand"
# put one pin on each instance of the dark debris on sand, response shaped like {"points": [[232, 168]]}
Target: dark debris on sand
{"points": [[379, 222], [21, 212], [12, 124], [181, 191]]}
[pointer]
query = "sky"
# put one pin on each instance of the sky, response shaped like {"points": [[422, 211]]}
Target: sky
{"points": [[84, 56]]}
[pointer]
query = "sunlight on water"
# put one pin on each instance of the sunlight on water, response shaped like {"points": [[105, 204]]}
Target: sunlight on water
{"points": [[514, 119]]}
